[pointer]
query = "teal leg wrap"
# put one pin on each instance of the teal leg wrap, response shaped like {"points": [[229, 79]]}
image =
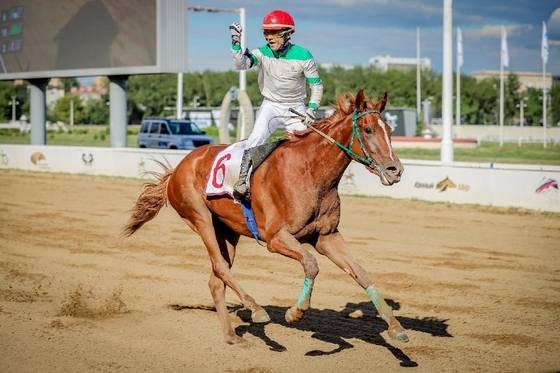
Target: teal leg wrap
{"points": [[304, 298], [375, 297]]}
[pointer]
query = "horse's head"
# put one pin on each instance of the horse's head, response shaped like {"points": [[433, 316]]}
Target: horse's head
{"points": [[371, 139]]}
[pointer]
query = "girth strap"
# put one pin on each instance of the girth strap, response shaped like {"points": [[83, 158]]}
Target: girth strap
{"points": [[250, 220]]}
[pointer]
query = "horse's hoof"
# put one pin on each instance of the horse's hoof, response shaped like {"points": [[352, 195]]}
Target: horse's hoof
{"points": [[293, 315], [396, 331], [400, 336], [233, 340], [260, 316]]}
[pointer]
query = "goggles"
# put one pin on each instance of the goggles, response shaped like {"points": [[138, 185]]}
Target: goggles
{"points": [[275, 34]]}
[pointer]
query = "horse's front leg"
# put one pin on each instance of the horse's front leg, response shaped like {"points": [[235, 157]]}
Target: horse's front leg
{"points": [[286, 244], [333, 247]]}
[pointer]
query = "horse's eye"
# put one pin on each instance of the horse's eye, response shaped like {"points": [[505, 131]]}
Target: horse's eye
{"points": [[368, 130]]}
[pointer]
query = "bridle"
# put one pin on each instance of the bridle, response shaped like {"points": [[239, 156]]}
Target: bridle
{"points": [[355, 134]]}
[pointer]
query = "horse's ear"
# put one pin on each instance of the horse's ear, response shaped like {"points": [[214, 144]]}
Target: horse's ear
{"points": [[361, 101], [380, 106]]}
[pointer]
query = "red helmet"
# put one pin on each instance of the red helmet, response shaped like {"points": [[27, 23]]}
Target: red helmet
{"points": [[278, 20]]}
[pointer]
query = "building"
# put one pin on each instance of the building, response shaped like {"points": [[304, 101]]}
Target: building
{"points": [[527, 79], [88, 93], [403, 64], [329, 66]]}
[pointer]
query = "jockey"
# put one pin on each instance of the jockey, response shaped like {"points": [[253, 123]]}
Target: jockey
{"points": [[284, 70]]}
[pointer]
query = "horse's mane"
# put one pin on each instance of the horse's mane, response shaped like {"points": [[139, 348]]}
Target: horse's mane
{"points": [[345, 105]]}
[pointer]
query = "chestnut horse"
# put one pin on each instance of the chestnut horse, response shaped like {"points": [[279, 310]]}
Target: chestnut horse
{"points": [[294, 196]]}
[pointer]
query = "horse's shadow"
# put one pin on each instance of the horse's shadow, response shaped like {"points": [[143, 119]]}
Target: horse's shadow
{"points": [[336, 327]]}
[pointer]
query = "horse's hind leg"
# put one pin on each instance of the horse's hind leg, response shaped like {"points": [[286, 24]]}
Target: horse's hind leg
{"points": [[227, 241], [218, 291], [285, 244], [222, 251], [334, 248]]}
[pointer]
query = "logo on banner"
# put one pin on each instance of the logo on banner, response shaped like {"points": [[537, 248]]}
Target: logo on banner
{"points": [[87, 159], [141, 167], [348, 184], [548, 189], [442, 185], [547, 185], [3, 158], [40, 160]]}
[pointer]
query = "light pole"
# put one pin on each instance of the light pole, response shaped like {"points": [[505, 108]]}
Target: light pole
{"points": [[242, 76], [241, 12], [71, 110], [447, 84], [521, 105], [14, 102], [418, 80]]}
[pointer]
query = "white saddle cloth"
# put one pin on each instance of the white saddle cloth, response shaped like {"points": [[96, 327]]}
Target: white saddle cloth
{"points": [[224, 172]]}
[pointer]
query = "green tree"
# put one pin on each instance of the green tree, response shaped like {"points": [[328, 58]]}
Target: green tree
{"points": [[69, 83], [98, 110], [153, 93], [533, 111], [479, 101], [555, 105], [511, 97], [63, 107], [7, 90]]}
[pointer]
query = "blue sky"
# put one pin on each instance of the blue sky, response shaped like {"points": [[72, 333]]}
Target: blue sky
{"points": [[350, 32]]}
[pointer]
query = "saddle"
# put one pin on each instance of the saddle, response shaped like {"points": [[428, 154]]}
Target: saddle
{"points": [[259, 153]]}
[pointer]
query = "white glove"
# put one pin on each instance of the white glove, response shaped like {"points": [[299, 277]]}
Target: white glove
{"points": [[309, 116], [235, 29]]}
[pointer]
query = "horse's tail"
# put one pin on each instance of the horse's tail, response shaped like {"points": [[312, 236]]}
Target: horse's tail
{"points": [[151, 200]]}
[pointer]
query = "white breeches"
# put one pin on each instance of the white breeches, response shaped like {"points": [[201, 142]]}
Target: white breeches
{"points": [[267, 122]]}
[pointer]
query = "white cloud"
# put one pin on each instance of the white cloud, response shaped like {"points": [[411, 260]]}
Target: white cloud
{"points": [[553, 24], [555, 17], [496, 31]]}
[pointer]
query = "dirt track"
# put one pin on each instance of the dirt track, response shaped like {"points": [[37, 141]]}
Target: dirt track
{"points": [[477, 288]]}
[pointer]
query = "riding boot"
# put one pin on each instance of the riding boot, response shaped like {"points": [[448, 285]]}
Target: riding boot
{"points": [[240, 188]]}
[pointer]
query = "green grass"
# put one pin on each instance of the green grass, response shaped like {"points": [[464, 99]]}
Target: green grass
{"points": [[487, 152], [491, 152], [77, 136]]}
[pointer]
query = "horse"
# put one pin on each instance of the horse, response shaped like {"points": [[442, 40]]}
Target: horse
{"points": [[295, 200]]}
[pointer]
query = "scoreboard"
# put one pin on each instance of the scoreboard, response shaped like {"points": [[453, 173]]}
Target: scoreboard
{"points": [[71, 38]]}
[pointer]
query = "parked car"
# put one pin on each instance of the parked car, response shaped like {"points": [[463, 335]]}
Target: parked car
{"points": [[164, 133]]}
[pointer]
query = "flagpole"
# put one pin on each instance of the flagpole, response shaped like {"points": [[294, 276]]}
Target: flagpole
{"points": [[544, 102], [501, 106], [418, 80], [459, 57], [502, 92], [544, 55]]}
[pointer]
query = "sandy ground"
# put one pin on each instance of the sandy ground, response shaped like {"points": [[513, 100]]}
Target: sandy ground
{"points": [[477, 288]]}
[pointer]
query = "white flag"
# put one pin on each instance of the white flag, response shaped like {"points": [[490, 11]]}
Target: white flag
{"points": [[544, 49], [459, 47], [505, 55]]}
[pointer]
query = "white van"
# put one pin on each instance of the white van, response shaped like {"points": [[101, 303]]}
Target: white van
{"points": [[163, 133]]}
